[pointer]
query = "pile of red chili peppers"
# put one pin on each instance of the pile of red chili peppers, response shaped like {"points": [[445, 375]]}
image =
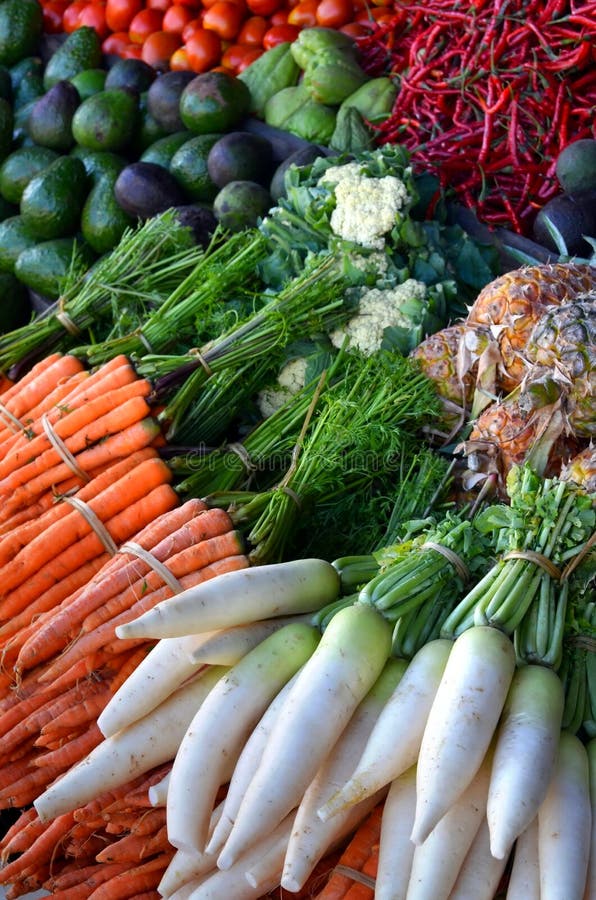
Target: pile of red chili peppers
{"points": [[490, 91]]}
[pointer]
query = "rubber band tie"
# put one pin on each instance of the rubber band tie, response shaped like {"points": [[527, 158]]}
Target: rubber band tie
{"points": [[136, 550], [538, 559], [96, 524], [452, 557], [12, 421], [62, 450]]}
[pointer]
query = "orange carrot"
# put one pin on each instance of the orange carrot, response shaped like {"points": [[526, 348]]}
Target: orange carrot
{"points": [[131, 848], [86, 877], [30, 390], [130, 883], [72, 752], [100, 636], [149, 822], [29, 376], [20, 832], [88, 708], [358, 861], [121, 527], [41, 850]]}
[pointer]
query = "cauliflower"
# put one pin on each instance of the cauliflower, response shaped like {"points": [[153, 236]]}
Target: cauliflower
{"points": [[377, 310], [291, 379], [366, 208]]}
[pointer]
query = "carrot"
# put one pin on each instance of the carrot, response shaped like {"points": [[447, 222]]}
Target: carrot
{"points": [[196, 557], [77, 885], [359, 857], [41, 850], [139, 878], [70, 753], [28, 819], [115, 446], [130, 848], [59, 535], [30, 391], [75, 716], [29, 376], [107, 631]]}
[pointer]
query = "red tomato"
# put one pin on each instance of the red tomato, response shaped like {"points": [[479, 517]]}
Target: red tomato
{"points": [[279, 34], [115, 43], [94, 16], [132, 51], [263, 7], [371, 15], [334, 13], [356, 29], [253, 31], [176, 18], [280, 17], [120, 13], [224, 18], [70, 18], [179, 60], [249, 57], [52, 12], [144, 23], [161, 5], [191, 4], [192, 26], [304, 14], [158, 48], [234, 55], [203, 50]]}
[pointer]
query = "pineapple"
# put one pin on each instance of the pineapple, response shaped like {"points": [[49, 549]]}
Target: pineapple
{"points": [[512, 303], [581, 469]]}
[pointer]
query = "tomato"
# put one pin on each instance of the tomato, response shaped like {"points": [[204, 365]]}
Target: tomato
{"points": [[132, 51], [264, 7], [356, 29], [280, 17], [334, 13], [235, 56], [224, 18], [249, 57], [161, 5], [192, 26], [190, 4], [203, 50], [115, 43], [52, 13], [120, 13], [94, 16], [253, 30], [279, 34], [372, 15], [144, 23], [70, 18], [176, 17], [158, 48], [304, 14], [179, 60]]}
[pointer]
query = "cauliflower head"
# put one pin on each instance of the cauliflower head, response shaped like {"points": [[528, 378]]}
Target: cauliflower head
{"points": [[290, 380], [378, 309], [366, 208]]}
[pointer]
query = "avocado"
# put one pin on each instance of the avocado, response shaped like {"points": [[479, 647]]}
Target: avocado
{"points": [[576, 166], [163, 99], [149, 130], [89, 82], [200, 218], [5, 84], [565, 221], [52, 202], [103, 221], [131, 74], [99, 162], [6, 128], [162, 150], [214, 101], [27, 81], [50, 121], [240, 156], [15, 236], [20, 167], [15, 306], [189, 167], [81, 50], [145, 189], [43, 267], [304, 156], [21, 26], [240, 204], [107, 120]]}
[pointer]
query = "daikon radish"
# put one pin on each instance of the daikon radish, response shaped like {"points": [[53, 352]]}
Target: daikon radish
{"points": [[461, 722], [350, 657], [236, 598], [151, 741], [396, 850], [565, 825], [527, 741], [189, 866], [524, 878], [226, 646], [158, 793], [311, 838], [481, 872], [590, 891], [436, 862], [219, 729], [400, 726]]}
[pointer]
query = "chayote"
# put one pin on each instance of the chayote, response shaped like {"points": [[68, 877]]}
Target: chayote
{"points": [[331, 78], [374, 100], [294, 110], [311, 42], [271, 72], [351, 134]]}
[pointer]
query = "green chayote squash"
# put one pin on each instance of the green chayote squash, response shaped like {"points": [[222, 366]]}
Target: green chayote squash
{"points": [[351, 134], [331, 78], [273, 71], [311, 42], [294, 110], [374, 100]]}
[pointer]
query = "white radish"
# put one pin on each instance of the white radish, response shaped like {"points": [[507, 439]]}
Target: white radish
{"points": [[396, 850], [436, 862], [219, 729], [185, 891], [461, 722], [226, 646], [158, 792], [245, 768], [189, 866], [350, 657], [312, 838], [565, 824], [525, 753], [590, 892], [524, 878], [481, 872], [400, 726], [165, 668], [151, 741], [236, 598]]}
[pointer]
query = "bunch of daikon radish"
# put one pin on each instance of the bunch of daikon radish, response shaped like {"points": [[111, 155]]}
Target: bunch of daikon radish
{"points": [[309, 732]]}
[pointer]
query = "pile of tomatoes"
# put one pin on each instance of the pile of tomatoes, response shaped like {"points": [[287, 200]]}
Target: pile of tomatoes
{"points": [[200, 35]]}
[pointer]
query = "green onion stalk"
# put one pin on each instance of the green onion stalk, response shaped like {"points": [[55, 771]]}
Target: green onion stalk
{"points": [[355, 438], [117, 291], [311, 303], [227, 266], [546, 526], [578, 673]]}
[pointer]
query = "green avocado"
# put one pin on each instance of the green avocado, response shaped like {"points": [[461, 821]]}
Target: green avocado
{"points": [[163, 149], [52, 202], [103, 221], [21, 27], [20, 167], [15, 236], [81, 50], [44, 266], [107, 120], [26, 78], [50, 121], [99, 162]]}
